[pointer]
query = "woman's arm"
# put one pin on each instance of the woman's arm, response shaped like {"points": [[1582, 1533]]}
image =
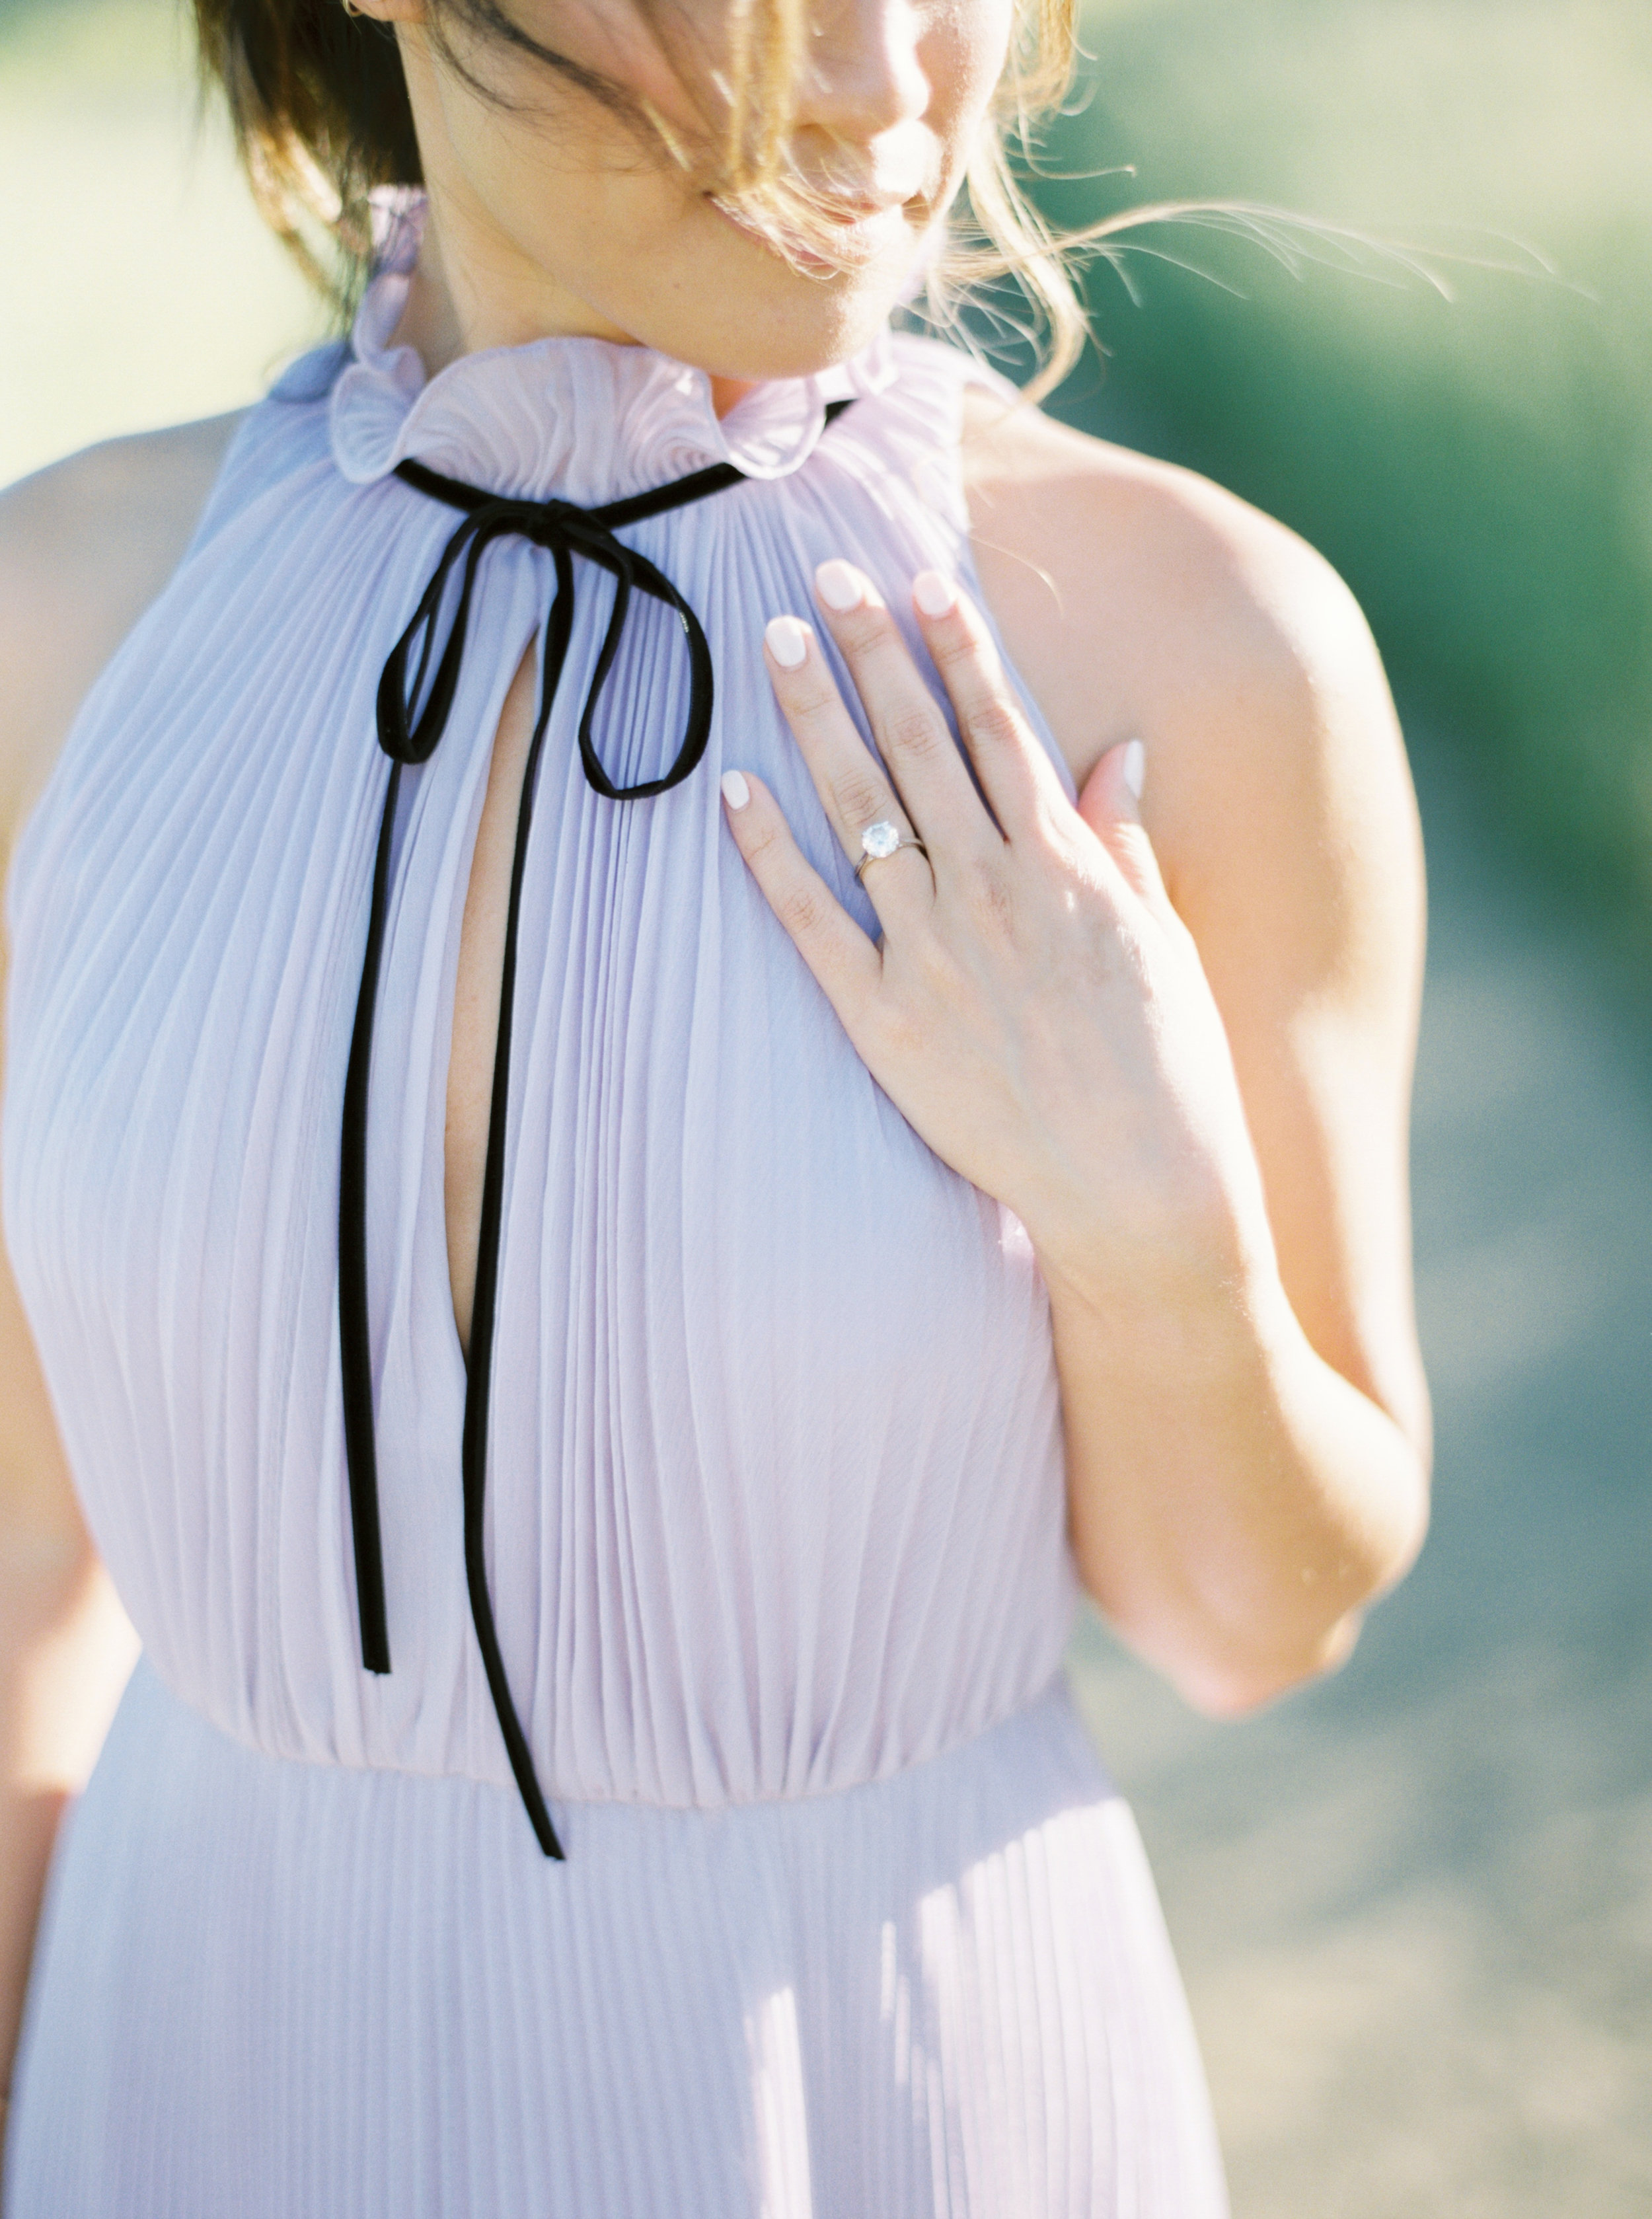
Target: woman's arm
{"points": [[84, 548], [1195, 1105], [66, 1649], [1138, 598]]}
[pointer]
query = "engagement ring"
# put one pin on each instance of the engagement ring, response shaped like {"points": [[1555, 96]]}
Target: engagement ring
{"points": [[882, 839]]}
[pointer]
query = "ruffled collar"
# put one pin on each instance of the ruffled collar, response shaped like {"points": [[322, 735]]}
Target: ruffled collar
{"points": [[583, 419]]}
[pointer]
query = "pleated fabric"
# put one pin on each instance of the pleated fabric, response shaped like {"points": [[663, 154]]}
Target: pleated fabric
{"points": [[949, 1993], [851, 1921]]}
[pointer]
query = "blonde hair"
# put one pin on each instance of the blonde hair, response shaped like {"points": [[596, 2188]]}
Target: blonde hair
{"points": [[993, 231]]}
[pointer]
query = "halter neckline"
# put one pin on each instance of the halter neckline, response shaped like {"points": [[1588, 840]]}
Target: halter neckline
{"points": [[589, 420]]}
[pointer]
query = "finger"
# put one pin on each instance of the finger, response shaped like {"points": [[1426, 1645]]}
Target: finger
{"points": [[1111, 806], [908, 723], [844, 961], [1014, 769], [853, 788]]}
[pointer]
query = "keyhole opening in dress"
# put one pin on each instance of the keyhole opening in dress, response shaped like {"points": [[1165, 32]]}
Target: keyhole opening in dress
{"points": [[476, 993]]}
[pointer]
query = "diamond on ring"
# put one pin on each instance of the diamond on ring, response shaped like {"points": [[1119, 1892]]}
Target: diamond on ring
{"points": [[882, 839]]}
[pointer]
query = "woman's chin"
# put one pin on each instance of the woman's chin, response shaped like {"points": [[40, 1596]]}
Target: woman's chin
{"points": [[807, 342], [791, 326]]}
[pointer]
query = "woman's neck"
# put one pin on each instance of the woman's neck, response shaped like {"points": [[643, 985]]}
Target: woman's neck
{"points": [[500, 307]]}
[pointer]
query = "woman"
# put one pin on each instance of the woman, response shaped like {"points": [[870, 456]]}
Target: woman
{"points": [[607, 1256]]}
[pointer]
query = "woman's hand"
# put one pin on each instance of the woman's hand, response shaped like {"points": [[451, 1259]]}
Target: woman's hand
{"points": [[1038, 1012], [1035, 1007]]}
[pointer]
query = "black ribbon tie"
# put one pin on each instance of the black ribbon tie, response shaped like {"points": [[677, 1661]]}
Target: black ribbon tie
{"points": [[412, 715]]}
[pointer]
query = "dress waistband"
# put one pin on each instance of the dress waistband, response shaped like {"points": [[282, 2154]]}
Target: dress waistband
{"points": [[1052, 1710]]}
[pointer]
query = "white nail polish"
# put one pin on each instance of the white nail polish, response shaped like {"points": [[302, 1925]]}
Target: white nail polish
{"points": [[934, 595], [736, 792], [1135, 767], [788, 642], [839, 586]]}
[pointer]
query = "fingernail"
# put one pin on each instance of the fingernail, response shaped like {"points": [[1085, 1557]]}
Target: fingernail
{"points": [[839, 586], [788, 642], [934, 594], [1135, 767], [736, 792]]}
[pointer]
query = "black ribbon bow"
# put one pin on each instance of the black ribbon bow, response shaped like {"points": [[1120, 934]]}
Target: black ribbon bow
{"points": [[412, 718]]}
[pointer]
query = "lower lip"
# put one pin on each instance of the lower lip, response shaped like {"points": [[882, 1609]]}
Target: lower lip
{"points": [[856, 242]]}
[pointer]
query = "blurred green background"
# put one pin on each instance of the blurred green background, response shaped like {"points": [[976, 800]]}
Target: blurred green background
{"points": [[1479, 469], [137, 285], [1414, 1904]]}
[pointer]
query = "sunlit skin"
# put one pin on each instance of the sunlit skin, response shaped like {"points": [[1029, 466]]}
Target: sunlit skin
{"points": [[1172, 1032], [548, 214]]}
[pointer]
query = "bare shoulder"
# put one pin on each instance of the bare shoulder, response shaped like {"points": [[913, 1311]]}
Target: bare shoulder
{"points": [[1139, 600], [1131, 592], [85, 545]]}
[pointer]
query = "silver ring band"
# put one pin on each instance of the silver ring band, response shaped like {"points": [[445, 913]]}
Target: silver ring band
{"points": [[883, 839]]}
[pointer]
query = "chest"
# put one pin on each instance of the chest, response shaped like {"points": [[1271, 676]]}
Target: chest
{"points": [[763, 1367], [686, 1111]]}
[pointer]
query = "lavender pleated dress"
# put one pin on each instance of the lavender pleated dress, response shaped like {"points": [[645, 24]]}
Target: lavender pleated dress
{"points": [[851, 1924]]}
